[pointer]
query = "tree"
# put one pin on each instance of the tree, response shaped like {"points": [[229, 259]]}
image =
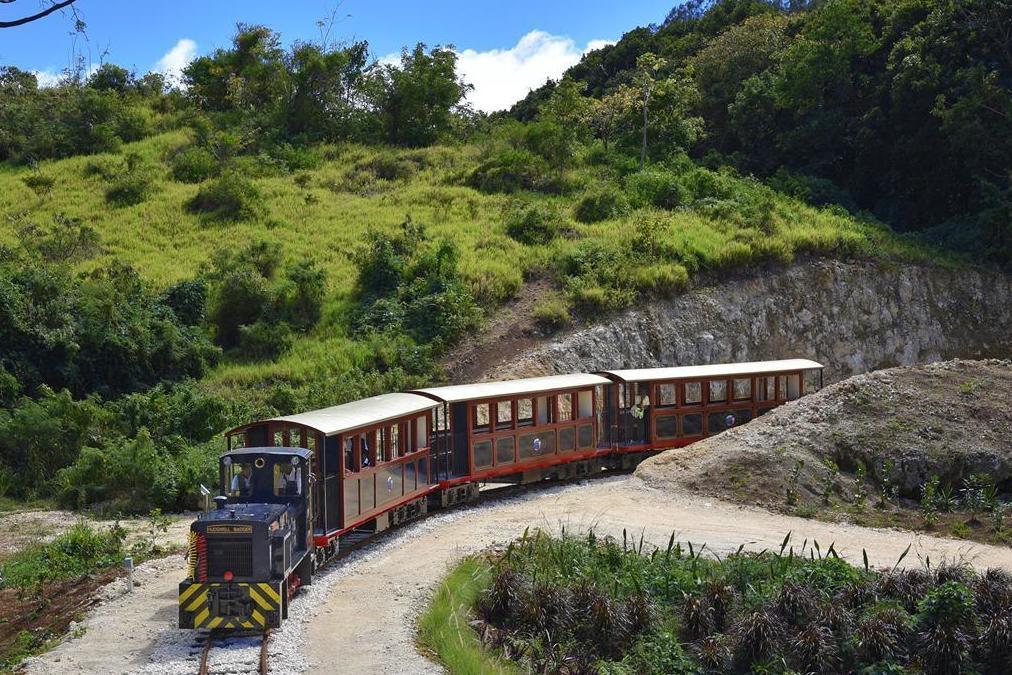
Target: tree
{"points": [[645, 80], [417, 100], [41, 14]]}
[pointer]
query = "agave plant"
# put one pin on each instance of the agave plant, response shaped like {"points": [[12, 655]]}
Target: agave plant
{"points": [[713, 653], [722, 598], [504, 598], [697, 616], [796, 602], [758, 635], [992, 592], [883, 634], [814, 649], [907, 586]]}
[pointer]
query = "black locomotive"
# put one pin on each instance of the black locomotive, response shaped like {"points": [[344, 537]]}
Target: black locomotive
{"points": [[250, 554]]}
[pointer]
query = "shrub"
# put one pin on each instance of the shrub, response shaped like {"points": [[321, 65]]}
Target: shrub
{"points": [[512, 171], [194, 165], [531, 223], [188, 301], [230, 197], [129, 189], [263, 340], [656, 187], [387, 167], [662, 279], [300, 301], [39, 183], [239, 299], [550, 314], [79, 551], [599, 205]]}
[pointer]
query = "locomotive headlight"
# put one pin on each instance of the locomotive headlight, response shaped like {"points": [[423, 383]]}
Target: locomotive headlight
{"points": [[227, 576]]}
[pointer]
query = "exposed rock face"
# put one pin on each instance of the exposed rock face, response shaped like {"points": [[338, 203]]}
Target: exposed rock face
{"points": [[852, 317]]}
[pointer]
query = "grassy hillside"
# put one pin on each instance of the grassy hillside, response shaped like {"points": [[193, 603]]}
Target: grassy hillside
{"points": [[325, 213]]}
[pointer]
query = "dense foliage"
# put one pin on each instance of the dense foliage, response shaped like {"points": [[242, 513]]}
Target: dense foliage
{"points": [[901, 108], [586, 605]]}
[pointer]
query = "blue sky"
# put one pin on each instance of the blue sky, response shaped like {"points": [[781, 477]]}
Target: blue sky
{"points": [[506, 47]]}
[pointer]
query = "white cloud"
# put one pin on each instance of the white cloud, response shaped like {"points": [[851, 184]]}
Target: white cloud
{"points": [[501, 77], [171, 65], [49, 77]]}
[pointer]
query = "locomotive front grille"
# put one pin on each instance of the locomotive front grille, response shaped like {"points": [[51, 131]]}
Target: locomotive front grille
{"points": [[229, 555]]}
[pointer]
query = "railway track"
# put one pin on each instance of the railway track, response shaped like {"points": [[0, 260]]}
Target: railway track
{"points": [[206, 642]]}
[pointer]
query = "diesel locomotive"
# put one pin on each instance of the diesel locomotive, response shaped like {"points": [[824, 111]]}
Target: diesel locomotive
{"points": [[295, 490]]}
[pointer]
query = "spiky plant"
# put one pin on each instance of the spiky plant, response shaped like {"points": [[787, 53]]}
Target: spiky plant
{"points": [[504, 598], [992, 592], [722, 598], [758, 635], [952, 571], [549, 608], [640, 612], [946, 628], [796, 602], [856, 594], [712, 652], [697, 616], [906, 586], [599, 621], [995, 642], [883, 634], [814, 649]]}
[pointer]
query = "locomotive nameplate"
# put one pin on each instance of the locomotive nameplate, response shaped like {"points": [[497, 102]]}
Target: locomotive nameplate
{"points": [[230, 529]]}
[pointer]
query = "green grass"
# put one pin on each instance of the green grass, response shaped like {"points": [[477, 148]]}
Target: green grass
{"points": [[324, 214], [444, 629], [79, 551]]}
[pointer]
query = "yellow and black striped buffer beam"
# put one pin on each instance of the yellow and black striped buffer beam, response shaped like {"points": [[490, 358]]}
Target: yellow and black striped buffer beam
{"points": [[230, 606]]}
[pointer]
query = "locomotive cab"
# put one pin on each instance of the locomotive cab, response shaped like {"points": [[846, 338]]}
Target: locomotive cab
{"points": [[249, 555]]}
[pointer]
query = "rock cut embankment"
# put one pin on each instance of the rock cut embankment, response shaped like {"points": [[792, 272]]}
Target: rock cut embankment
{"points": [[854, 317]]}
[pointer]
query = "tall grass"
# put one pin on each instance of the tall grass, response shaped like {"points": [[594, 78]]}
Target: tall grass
{"points": [[444, 629], [323, 211]]}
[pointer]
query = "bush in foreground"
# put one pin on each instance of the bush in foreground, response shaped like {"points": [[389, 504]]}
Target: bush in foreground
{"points": [[569, 604]]}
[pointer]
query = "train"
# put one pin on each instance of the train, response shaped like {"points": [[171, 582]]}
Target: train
{"points": [[295, 490]]}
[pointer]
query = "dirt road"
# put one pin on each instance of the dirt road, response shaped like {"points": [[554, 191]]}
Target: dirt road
{"points": [[358, 617]]}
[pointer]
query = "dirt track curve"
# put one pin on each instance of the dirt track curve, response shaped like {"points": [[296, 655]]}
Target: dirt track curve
{"points": [[358, 617]]}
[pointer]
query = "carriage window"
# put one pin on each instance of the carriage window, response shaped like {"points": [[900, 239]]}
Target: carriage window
{"points": [[544, 410], [350, 466], [765, 388], [279, 439], [420, 435], [237, 441], [565, 407], [480, 419], [395, 441], [793, 387], [718, 391], [585, 404], [666, 395], [525, 412], [667, 426], [504, 415], [382, 444], [742, 389], [440, 417], [693, 393], [692, 425], [366, 445]]}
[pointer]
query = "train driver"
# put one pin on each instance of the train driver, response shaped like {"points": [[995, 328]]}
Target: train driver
{"points": [[242, 481]]}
